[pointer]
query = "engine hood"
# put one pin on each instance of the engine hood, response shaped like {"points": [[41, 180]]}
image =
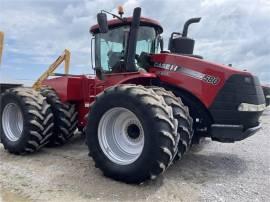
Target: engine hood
{"points": [[200, 78], [168, 60]]}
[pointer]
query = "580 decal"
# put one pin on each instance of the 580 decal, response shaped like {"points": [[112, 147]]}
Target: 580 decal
{"points": [[210, 79]]}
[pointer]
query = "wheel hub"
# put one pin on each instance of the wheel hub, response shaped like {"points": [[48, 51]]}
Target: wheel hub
{"points": [[133, 131], [121, 136], [12, 122]]}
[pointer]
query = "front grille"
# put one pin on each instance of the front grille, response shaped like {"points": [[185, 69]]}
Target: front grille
{"points": [[238, 89]]}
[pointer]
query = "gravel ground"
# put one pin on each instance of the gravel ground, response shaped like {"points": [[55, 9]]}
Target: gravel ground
{"points": [[211, 172]]}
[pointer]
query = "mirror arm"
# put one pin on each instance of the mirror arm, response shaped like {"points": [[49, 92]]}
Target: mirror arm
{"points": [[115, 16]]}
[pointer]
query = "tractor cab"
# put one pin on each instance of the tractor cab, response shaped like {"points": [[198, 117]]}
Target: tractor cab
{"points": [[120, 42]]}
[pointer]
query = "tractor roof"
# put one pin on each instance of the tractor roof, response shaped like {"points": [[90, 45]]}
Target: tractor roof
{"points": [[117, 23]]}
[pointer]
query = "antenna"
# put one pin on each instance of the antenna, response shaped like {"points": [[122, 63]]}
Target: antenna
{"points": [[120, 11]]}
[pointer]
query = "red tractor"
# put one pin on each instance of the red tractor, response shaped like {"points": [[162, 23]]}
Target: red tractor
{"points": [[266, 91], [144, 108]]}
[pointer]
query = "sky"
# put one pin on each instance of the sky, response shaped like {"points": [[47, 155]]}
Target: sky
{"points": [[233, 32]]}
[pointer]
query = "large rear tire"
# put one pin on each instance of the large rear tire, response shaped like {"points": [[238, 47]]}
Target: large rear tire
{"points": [[65, 118], [26, 120], [181, 113], [131, 133]]}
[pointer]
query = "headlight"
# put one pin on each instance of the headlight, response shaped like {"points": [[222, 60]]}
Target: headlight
{"points": [[268, 96], [245, 107]]}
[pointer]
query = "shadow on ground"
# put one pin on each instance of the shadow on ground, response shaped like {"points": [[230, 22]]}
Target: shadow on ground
{"points": [[202, 168], [68, 168]]}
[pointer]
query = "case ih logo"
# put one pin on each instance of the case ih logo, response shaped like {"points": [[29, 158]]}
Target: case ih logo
{"points": [[189, 72]]}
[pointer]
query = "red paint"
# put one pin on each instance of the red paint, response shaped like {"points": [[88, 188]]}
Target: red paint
{"points": [[203, 91], [117, 22], [82, 90]]}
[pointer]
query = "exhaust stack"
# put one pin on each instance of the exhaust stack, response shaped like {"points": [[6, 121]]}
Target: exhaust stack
{"points": [[132, 40], [179, 42], [186, 26]]}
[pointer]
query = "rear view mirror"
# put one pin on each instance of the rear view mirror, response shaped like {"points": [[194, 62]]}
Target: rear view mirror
{"points": [[102, 22]]}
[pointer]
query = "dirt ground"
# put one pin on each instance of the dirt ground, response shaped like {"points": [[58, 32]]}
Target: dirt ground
{"points": [[213, 172]]}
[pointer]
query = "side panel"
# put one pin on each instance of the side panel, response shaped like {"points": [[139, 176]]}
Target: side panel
{"points": [[82, 90], [77, 90], [200, 78], [116, 79], [68, 88]]}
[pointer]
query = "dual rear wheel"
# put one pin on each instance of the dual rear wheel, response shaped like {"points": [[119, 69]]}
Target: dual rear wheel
{"points": [[65, 117], [134, 133], [31, 120], [26, 120]]}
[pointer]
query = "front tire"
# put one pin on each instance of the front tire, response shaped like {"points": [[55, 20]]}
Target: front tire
{"points": [[131, 133], [181, 113]]}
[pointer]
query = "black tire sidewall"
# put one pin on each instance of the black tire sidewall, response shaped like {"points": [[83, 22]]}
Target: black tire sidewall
{"points": [[15, 146], [59, 137], [145, 161]]}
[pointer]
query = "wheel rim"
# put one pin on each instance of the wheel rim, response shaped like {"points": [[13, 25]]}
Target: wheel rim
{"points": [[12, 122], [121, 136]]}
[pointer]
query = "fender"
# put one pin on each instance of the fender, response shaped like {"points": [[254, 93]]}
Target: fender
{"points": [[198, 111], [140, 77]]}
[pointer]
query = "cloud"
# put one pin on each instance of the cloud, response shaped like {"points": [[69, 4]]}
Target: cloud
{"points": [[37, 31]]}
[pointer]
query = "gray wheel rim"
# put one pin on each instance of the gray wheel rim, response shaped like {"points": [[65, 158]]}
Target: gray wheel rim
{"points": [[121, 136], [12, 122]]}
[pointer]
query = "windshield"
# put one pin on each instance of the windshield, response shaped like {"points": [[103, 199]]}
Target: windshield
{"points": [[111, 47]]}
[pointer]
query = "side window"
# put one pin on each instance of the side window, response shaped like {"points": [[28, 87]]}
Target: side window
{"points": [[104, 48], [110, 47], [110, 54], [143, 46], [146, 40]]}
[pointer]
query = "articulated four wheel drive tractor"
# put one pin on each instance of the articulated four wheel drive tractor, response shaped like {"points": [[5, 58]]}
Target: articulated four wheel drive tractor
{"points": [[266, 91], [143, 108]]}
